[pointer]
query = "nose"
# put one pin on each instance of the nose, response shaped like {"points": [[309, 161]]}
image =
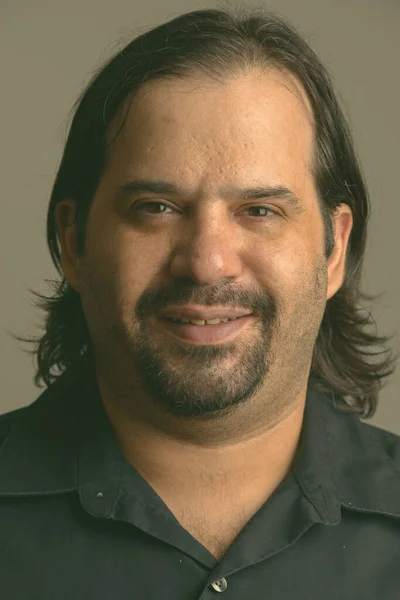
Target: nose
{"points": [[209, 252]]}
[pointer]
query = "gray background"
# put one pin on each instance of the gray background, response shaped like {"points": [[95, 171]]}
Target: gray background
{"points": [[48, 51]]}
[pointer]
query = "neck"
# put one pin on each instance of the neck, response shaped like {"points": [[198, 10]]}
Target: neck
{"points": [[212, 459]]}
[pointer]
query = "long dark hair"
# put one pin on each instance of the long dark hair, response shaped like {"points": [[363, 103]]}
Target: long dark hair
{"points": [[221, 44]]}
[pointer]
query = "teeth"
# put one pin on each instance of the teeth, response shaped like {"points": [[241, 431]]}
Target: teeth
{"points": [[201, 322]]}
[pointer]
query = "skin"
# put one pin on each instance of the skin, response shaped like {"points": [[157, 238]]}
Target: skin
{"points": [[214, 427]]}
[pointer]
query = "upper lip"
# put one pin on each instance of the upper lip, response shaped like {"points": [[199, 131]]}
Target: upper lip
{"points": [[205, 314]]}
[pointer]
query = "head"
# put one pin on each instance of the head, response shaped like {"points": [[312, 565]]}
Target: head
{"points": [[212, 104]]}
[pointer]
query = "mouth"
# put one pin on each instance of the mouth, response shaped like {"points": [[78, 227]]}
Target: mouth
{"points": [[205, 334]]}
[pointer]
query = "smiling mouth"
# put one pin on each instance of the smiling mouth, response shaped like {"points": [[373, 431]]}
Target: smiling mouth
{"points": [[203, 333], [202, 322]]}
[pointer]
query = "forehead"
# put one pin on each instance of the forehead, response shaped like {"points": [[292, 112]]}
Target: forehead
{"points": [[260, 121]]}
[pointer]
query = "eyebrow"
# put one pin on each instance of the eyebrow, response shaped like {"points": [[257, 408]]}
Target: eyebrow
{"points": [[282, 192]]}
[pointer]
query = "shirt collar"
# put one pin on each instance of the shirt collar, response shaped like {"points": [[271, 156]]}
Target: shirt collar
{"points": [[357, 465], [64, 441]]}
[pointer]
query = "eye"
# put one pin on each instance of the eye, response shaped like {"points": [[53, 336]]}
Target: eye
{"points": [[140, 209], [264, 208]]}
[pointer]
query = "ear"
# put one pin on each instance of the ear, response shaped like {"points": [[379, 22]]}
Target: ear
{"points": [[343, 223], [66, 225]]}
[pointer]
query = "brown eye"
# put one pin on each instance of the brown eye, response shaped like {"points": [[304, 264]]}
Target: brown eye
{"points": [[140, 207], [264, 208]]}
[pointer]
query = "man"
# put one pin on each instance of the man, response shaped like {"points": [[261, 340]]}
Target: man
{"points": [[205, 427]]}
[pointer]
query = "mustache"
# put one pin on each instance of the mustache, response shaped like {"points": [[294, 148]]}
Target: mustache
{"points": [[157, 300]]}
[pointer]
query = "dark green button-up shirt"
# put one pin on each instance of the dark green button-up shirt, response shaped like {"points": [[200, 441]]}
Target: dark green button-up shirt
{"points": [[78, 522]]}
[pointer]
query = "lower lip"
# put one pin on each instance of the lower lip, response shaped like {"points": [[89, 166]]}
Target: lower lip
{"points": [[206, 334]]}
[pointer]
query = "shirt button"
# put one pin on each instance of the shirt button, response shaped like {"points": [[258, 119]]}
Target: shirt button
{"points": [[220, 585]]}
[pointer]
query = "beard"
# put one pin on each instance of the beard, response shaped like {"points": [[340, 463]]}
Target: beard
{"points": [[268, 357]]}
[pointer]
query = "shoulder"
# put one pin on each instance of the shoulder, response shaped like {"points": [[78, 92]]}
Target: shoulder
{"points": [[7, 421], [387, 441], [44, 407]]}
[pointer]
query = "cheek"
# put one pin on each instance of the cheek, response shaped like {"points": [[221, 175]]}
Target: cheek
{"points": [[108, 247], [296, 259], [133, 266], [290, 278], [282, 269], [125, 263]]}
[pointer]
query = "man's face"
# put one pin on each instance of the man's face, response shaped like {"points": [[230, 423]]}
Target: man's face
{"points": [[202, 247]]}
